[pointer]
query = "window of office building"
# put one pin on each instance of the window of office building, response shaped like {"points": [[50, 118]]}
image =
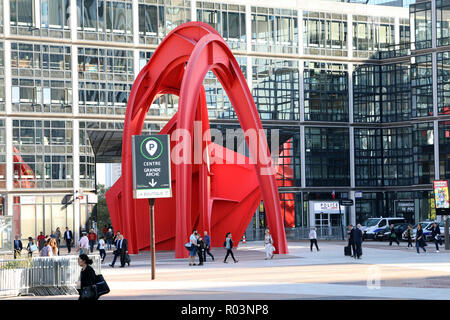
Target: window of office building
{"points": [[397, 156], [45, 214], [443, 82], [158, 17], [368, 157], [443, 22], [41, 18], [395, 92], [372, 34], [227, 19], [274, 30], [1, 17], [423, 153], [405, 31], [288, 158], [105, 80], [369, 206], [105, 20], [327, 156], [2, 154], [41, 78], [276, 89], [420, 13], [366, 94], [325, 91], [42, 154], [219, 105], [422, 86], [325, 33], [444, 149]]}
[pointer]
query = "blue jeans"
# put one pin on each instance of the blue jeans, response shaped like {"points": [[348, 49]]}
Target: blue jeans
{"points": [[418, 245]]}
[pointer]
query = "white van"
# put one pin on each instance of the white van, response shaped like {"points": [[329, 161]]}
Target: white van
{"points": [[373, 225]]}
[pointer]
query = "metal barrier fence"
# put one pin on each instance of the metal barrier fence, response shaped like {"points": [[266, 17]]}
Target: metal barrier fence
{"points": [[42, 275], [301, 233]]}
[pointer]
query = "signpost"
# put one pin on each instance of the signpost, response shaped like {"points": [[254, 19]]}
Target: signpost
{"points": [[442, 204], [151, 175], [345, 203]]}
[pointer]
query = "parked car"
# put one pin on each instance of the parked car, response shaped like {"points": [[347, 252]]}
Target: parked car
{"points": [[373, 225], [385, 234]]}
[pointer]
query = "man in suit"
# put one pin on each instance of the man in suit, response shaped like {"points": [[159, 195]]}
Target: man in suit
{"points": [[17, 247], [122, 247], [358, 237], [68, 237], [351, 239]]}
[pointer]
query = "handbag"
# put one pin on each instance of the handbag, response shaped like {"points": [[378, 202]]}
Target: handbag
{"points": [[102, 286], [33, 248], [89, 293], [187, 245]]}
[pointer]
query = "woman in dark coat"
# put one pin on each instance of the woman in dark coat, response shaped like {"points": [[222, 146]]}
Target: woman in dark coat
{"points": [[420, 239], [87, 276]]}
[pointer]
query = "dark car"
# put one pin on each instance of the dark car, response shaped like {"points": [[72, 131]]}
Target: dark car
{"points": [[385, 234]]}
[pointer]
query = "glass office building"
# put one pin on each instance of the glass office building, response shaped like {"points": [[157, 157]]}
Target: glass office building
{"points": [[362, 102]]}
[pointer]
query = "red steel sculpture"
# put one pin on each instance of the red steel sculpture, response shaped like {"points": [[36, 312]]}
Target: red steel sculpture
{"points": [[216, 195]]}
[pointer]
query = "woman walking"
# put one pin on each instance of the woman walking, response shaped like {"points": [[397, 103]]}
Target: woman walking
{"points": [[268, 245], [31, 247], [87, 275], [420, 239], [229, 246], [409, 234]]}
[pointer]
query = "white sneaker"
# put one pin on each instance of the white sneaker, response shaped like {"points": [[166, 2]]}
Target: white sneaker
{"points": [[437, 250]]}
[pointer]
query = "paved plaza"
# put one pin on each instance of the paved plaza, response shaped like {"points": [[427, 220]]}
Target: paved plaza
{"points": [[384, 272]]}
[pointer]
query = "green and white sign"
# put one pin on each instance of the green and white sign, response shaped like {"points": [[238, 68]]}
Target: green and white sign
{"points": [[151, 166]]}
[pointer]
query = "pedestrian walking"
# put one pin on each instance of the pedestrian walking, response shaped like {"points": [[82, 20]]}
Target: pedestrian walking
{"points": [[87, 279], [351, 241], [358, 238], [200, 249], [193, 247], [420, 239], [228, 244], [105, 230], [409, 233], [50, 249], [268, 244], [68, 237], [58, 238], [313, 238], [207, 240], [122, 246], [101, 248], [393, 236], [41, 240], [109, 238], [17, 247], [83, 244], [436, 234], [92, 238], [116, 252], [31, 247]]}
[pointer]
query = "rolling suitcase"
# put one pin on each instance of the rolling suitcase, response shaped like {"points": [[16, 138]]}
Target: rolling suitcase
{"points": [[347, 250]]}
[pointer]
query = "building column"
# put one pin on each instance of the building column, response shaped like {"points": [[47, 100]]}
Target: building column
{"points": [[76, 179], [193, 10], [436, 149], [73, 20], [248, 27], [350, 36], [300, 32]]}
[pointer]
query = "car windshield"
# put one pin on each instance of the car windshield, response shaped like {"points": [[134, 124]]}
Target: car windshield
{"points": [[372, 222]]}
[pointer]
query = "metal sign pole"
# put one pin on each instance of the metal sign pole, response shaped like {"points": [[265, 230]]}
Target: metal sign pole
{"points": [[447, 243], [151, 203]]}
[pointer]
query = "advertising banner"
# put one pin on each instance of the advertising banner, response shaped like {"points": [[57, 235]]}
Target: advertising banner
{"points": [[441, 197]]}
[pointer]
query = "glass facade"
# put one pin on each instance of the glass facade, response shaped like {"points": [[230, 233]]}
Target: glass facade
{"points": [[326, 91], [274, 30], [325, 33], [362, 77]]}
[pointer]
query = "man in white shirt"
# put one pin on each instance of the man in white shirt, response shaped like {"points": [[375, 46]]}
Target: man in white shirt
{"points": [[83, 244], [313, 238]]}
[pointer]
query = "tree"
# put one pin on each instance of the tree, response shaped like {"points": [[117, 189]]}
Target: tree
{"points": [[103, 217]]}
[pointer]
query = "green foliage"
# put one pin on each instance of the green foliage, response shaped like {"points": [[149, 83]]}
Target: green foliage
{"points": [[103, 217], [15, 264]]}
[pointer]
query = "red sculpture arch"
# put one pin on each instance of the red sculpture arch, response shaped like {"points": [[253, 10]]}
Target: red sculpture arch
{"points": [[179, 66]]}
